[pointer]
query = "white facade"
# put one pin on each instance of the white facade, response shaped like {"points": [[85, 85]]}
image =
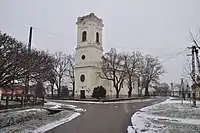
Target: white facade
{"points": [[89, 51]]}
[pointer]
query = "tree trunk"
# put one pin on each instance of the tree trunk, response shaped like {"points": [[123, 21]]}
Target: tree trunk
{"points": [[117, 90], [58, 92], [146, 91], [73, 90], [130, 91], [130, 88], [52, 90], [12, 94], [7, 101], [117, 94], [59, 87]]}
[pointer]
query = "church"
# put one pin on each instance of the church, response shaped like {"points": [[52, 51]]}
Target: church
{"points": [[88, 55]]}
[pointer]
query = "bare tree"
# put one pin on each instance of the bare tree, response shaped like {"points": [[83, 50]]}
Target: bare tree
{"points": [[60, 69], [52, 80], [131, 68], [15, 67], [71, 71], [41, 66], [14, 59], [113, 69], [150, 70], [164, 86], [39, 89], [11, 53]]}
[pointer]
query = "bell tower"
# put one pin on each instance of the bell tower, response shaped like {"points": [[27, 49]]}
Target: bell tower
{"points": [[88, 55]]}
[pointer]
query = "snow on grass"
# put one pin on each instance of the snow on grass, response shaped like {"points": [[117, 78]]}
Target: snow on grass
{"points": [[27, 121], [32, 124], [165, 117], [142, 124], [55, 124], [15, 117]]}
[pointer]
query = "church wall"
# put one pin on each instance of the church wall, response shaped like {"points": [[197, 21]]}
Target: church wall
{"points": [[91, 80], [92, 56]]}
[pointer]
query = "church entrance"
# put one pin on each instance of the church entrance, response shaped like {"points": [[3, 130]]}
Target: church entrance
{"points": [[82, 92]]}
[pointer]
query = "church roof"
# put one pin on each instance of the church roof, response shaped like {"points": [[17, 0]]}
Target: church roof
{"points": [[91, 16]]}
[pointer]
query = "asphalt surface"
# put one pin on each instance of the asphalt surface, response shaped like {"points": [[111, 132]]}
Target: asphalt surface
{"points": [[104, 118]]}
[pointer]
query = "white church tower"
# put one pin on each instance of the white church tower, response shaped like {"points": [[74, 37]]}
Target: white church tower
{"points": [[88, 55]]}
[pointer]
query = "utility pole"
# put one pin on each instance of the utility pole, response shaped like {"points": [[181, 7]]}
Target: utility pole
{"points": [[29, 61], [182, 90], [172, 88], [197, 58], [193, 76], [30, 39], [29, 53]]}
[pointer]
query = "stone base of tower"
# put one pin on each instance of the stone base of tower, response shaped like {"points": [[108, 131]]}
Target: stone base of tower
{"points": [[84, 88]]}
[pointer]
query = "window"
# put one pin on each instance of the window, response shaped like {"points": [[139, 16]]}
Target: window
{"points": [[83, 57], [82, 77], [84, 36], [97, 37]]}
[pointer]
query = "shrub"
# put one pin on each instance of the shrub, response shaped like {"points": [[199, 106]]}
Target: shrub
{"points": [[99, 92], [64, 91]]}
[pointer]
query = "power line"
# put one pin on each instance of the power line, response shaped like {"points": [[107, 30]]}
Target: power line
{"points": [[138, 48], [174, 56], [48, 32], [169, 54]]}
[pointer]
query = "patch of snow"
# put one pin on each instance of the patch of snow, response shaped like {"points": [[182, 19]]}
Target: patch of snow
{"points": [[56, 123], [175, 120], [27, 110], [72, 106], [58, 105], [51, 103], [171, 100], [80, 110], [142, 124], [92, 102], [55, 107]]}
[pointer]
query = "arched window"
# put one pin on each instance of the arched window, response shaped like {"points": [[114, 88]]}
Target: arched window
{"points": [[97, 37], [82, 77], [84, 36]]}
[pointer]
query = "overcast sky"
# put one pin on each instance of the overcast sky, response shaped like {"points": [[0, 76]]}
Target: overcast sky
{"points": [[157, 27]]}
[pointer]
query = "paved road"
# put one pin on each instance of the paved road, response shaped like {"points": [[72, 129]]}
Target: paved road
{"points": [[104, 118]]}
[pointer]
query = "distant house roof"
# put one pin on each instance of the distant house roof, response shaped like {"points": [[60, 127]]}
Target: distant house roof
{"points": [[17, 89]]}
